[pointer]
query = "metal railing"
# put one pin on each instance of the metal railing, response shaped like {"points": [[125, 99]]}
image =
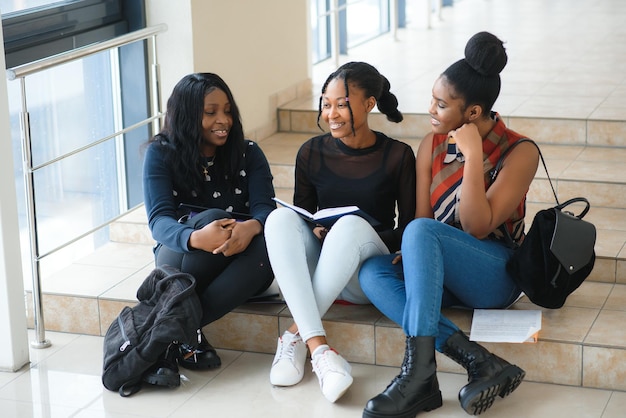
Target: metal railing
{"points": [[20, 73]]}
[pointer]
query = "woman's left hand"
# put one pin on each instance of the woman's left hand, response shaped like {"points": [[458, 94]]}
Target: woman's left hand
{"points": [[242, 234]]}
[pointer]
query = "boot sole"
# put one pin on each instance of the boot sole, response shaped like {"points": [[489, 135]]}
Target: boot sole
{"points": [[480, 398], [168, 382], [197, 366], [434, 401]]}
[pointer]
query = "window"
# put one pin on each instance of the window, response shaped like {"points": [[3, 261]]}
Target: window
{"points": [[12, 6], [40, 28], [71, 106], [358, 21]]}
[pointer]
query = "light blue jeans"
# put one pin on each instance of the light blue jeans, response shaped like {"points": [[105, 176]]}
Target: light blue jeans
{"points": [[311, 275], [442, 266]]}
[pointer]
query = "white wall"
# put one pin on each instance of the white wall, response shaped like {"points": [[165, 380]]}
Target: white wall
{"points": [[260, 48], [14, 345]]}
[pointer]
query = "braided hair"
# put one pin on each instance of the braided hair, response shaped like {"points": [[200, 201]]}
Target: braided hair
{"points": [[181, 135], [476, 78], [373, 84]]}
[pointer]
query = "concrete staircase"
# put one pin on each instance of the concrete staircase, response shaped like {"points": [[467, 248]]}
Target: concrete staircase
{"points": [[582, 344]]}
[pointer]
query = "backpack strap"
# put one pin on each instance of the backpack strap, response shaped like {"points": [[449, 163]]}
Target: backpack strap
{"points": [[494, 173], [498, 167]]}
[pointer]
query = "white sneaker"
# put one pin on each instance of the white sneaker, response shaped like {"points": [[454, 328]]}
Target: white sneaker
{"points": [[288, 366], [333, 372]]}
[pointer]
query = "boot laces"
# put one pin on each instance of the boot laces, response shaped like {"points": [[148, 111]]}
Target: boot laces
{"points": [[403, 379]]}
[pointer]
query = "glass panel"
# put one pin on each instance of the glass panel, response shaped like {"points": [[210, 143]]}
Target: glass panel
{"points": [[320, 30], [358, 20], [69, 106], [75, 194]]}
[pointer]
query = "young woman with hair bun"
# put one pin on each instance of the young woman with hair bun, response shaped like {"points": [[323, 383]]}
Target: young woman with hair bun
{"points": [[313, 265], [453, 253]]}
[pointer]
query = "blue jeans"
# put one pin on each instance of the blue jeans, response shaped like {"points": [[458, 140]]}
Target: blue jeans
{"points": [[442, 266]]}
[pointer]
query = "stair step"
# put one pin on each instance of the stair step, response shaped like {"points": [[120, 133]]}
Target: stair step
{"points": [[574, 170], [577, 343], [300, 116]]}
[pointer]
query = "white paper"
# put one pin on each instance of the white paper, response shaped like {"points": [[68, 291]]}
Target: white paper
{"points": [[505, 326]]}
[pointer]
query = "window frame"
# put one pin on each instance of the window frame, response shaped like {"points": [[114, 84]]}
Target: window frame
{"points": [[35, 33], [40, 32]]}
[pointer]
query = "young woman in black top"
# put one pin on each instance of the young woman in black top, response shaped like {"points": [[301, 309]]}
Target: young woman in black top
{"points": [[314, 265]]}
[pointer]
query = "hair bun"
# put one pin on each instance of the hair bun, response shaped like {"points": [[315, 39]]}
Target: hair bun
{"points": [[485, 53]]}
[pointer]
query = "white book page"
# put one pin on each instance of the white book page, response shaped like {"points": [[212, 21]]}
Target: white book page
{"points": [[320, 214], [328, 212], [507, 326], [294, 207]]}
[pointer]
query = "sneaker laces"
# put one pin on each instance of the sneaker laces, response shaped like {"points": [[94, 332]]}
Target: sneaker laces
{"points": [[322, 364], [287, 351]]}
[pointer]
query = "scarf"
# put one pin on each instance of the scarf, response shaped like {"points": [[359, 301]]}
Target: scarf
{"points": [[447, 177]]}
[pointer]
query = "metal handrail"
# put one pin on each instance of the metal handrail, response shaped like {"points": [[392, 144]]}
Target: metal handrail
{"points": [[64, 57], [21, 72]]}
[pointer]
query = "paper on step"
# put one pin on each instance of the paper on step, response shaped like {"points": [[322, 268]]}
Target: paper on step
{"points": [[505, 326]]}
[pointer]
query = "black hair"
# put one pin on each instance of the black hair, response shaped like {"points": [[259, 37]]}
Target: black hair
{"points": [[476, 78], [373, 83], [181, 134]]}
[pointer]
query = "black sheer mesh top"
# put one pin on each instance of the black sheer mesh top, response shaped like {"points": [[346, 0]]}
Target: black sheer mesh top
{"points": [[378, 179]]}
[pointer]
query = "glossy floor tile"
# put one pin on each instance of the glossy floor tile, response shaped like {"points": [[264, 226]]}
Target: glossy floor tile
{"points": [[64, 381]]}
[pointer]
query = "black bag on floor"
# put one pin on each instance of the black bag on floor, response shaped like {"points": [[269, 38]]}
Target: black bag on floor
{"points": [[168, 311], [557, 254]]}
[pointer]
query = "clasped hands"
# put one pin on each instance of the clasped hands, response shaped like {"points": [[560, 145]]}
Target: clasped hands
{"points": [[225, 236]]}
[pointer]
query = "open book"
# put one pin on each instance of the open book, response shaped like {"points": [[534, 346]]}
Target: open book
{"points": [[327, 217]]}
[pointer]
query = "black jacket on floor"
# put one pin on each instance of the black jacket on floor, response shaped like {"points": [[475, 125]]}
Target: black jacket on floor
{"points": [[168, 311]]}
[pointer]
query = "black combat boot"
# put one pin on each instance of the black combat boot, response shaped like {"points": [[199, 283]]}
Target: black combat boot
{"points": [[488, 375], [415, 389], [200, 356], [165, 370]]}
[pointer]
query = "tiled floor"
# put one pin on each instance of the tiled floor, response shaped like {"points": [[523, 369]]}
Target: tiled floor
{"points": [[64, 381], [566, 60]]}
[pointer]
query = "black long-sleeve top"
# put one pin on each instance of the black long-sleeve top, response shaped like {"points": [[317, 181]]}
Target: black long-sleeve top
{"points": [[376, 179]]}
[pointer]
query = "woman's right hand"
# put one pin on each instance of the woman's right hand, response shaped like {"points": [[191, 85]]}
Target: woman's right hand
{"points": [[211, 236]]}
